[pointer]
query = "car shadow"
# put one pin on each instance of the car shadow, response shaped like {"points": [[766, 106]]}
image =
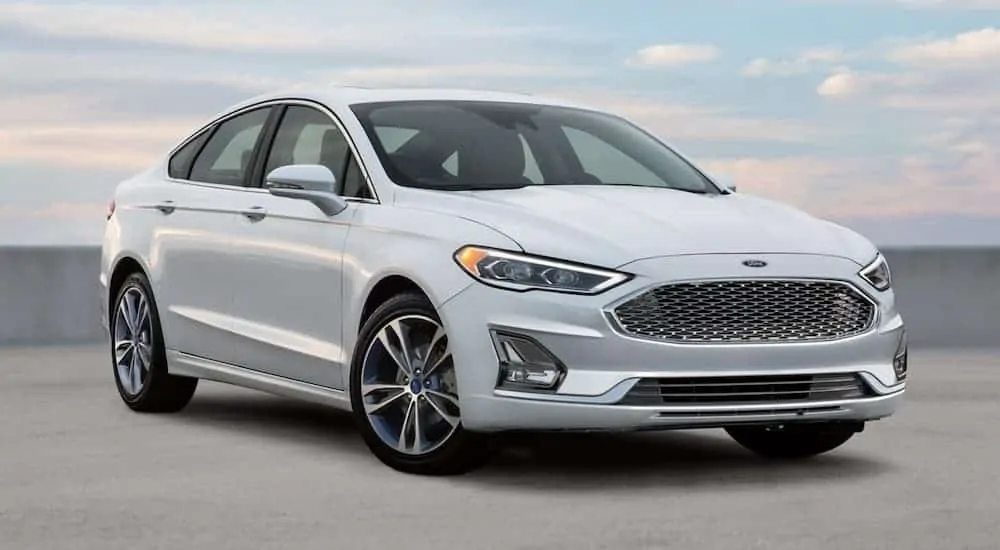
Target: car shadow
{"points": [[277, 418], [636, 461], [547, 462]]}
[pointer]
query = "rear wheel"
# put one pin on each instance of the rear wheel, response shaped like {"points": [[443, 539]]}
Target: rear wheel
{"points": [[793, 440], [404, 392], [138, 353]]}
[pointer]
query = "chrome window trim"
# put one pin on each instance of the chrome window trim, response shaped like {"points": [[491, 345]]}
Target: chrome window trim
{"points": [[273, 103], [608, 312]]}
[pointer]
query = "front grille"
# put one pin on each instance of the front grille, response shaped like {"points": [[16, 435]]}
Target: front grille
{"points": [[747, 311], [729, 390]]}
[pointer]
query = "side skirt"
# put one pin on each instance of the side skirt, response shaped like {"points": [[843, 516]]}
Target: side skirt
{"points": [[182, 364]]}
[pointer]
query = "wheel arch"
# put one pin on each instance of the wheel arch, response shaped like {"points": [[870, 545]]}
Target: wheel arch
{"points": [[124, 266], [387, 287]]}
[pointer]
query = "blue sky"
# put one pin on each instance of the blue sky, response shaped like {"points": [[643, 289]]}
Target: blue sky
{"points": [[883, 114]]}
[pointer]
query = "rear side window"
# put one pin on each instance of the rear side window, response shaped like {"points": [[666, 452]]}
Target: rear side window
{"points": [[180, 162], [227, 157]]}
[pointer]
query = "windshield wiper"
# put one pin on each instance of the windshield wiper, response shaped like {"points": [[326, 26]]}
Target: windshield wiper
{"points": [[694, 191], [478, 186]]}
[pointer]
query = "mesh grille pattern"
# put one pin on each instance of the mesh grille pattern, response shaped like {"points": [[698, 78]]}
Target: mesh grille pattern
{"points": [[795, 388], [749, 311]]}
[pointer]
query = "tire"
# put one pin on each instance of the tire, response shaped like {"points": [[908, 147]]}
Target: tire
{"points": [[795, 441], [152, 389], [384, 415]]}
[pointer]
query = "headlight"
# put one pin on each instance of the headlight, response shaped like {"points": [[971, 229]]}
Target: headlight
{"points": [[877, 273], [521, 272]]}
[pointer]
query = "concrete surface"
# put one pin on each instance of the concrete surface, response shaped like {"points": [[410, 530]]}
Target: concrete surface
{"points": [[950, 297], [242, 470]]}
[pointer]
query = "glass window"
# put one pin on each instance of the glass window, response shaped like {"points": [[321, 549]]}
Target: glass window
{"points": [[227, 156], [472, 145], [180, 163], [308, 136]]}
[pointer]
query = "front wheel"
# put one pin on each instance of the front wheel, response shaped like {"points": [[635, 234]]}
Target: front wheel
{"points": [[404, 393], [794, 440]]}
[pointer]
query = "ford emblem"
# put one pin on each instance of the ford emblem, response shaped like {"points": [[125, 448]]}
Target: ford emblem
{"points": [[754, 263]]}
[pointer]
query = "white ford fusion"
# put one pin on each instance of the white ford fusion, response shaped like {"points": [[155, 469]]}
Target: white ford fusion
{"points": [[449, 265]]}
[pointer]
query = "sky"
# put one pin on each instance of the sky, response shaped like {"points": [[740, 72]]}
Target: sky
{"points": [[883, 115]]}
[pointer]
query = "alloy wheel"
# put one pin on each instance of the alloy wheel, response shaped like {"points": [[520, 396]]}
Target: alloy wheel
{"points": [[133, 348], [408, 385]]}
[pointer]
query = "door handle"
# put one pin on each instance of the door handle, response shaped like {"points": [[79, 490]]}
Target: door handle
{"points": [[167, 207], [254, 213]]}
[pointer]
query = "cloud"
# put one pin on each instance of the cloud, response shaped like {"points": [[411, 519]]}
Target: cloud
{"points": [[958, 182], [956, 74], [125, 147], [353, 26], [788, 179], [968, 48], [843, 83], [681, 122], [806, 61], [673, 55]]}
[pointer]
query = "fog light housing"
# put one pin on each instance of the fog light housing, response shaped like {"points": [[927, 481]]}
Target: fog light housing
{"points": [[525, 364], [899, 361]]}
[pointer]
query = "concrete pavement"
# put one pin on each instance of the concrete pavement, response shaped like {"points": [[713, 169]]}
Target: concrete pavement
{"points": [[243, 470]]}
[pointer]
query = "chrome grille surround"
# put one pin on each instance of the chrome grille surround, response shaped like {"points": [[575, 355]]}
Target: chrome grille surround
{"points": [[746, 311], [747, 390]]}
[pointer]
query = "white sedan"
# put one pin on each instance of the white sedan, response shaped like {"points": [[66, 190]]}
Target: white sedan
{"points": [[449, 265]]}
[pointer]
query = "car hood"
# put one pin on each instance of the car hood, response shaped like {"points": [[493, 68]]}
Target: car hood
{"points": [[615, 225]]}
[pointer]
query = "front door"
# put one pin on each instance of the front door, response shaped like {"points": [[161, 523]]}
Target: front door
{"points": [[288, 284]]}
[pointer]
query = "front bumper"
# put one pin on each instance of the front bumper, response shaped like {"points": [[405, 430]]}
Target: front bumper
{"points": [[603, 365]]}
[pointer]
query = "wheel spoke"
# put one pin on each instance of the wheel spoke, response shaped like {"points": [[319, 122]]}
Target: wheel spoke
{"points": [[445, 396], [443, 356], [401, 355], [368, 389], [135, 372], [407, 420], [126, 315], [145, 355], [450, 419], [121, 350], [418, 429], [142, 314]]}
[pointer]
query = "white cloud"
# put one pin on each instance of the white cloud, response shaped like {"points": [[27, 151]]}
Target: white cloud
{"points": [[959, 182], [673, 55], [353, 26], [804, 62], [973, 47], [840, 84], [676, 122], [124, 147]]}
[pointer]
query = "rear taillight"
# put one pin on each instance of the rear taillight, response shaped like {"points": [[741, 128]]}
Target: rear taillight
{"points": [[111, 210]]}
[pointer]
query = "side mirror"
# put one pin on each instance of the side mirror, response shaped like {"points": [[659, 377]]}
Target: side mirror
{"points": [[310, 182]]}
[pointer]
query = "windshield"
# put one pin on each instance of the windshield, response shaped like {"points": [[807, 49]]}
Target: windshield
{"points": [[473, 145]]}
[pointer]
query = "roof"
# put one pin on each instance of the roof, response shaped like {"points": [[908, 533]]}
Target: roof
{"points": [[348, 95]]}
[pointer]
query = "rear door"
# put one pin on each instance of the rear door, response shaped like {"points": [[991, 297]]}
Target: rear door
{"points": [[288, 276], [191, 245]]}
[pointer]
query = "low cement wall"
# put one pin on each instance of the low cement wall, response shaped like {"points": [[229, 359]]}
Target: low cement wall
{"points": [[949, 297], [49, 295]]}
